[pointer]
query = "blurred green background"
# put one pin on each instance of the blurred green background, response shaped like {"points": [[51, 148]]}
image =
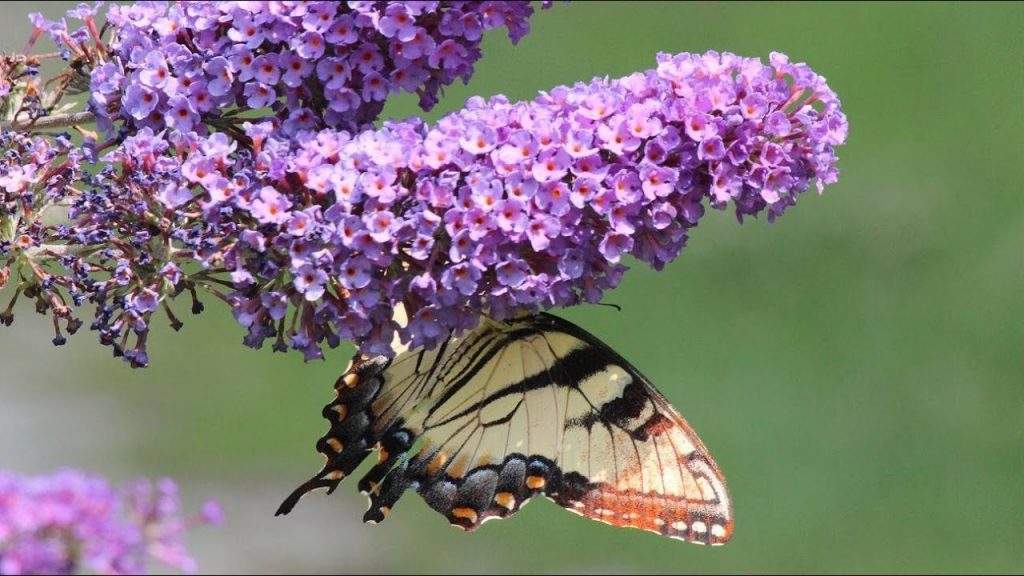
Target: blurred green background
{"points": [[856, 368]]}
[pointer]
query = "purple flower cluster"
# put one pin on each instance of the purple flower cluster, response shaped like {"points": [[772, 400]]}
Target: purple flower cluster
{"points": [[314, 64], [193, 68], [314, 234], [68, 521], [506, 208]]}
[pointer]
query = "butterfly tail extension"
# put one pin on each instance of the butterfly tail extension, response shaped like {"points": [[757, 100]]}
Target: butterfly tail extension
{"points": [[384, 496], [385, 483], [351, 436]]}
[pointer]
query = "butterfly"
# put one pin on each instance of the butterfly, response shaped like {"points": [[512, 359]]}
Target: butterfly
{"points": [[516, 409]]}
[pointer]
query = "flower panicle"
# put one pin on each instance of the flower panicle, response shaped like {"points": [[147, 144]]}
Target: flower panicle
{"points": [[508, 208], [314, 232]]}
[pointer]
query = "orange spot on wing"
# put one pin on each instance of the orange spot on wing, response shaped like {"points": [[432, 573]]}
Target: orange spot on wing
{"points": [[457, 469], [505, 500], [465, 514], [437, 462]]}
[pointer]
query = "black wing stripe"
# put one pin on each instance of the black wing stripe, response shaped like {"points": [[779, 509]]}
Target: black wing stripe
{"points": [[571, 369], [469, 348], [475, 373], [479, 359], [416, 382], [437, 359]]}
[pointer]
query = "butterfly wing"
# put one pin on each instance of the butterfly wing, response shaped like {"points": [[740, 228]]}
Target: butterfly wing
{"points": [[628, 458], [536, 406], [377, 407]]}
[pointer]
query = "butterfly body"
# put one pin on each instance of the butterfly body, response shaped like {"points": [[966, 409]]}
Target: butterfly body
{"points": [[514, 410]]}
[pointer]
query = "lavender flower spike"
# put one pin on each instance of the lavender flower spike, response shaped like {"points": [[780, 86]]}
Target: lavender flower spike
{"points": [[507, 208]]}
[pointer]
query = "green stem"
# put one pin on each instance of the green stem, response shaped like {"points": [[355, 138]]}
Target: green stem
{"points": [[49, 122], [60, 250]]}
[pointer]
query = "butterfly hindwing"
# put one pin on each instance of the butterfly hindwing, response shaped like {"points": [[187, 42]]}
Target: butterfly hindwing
{"points": [[535, 406]]}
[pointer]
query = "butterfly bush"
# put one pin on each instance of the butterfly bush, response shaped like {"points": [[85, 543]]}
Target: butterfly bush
{"points": [[234, 158], [69, 521]]}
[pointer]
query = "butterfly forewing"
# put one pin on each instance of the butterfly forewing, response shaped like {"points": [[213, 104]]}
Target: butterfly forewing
{"points": [[535, 406]]}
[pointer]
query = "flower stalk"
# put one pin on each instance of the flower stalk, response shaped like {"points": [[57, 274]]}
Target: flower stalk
{"points": [[49, 122]]}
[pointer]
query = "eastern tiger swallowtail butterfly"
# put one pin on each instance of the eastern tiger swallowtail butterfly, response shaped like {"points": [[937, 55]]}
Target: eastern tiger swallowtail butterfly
{"points": [[512, 410]]}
